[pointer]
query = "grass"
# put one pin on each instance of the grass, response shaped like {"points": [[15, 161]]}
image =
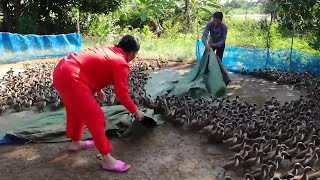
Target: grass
{"points": [[251, 10], [181, 47]]}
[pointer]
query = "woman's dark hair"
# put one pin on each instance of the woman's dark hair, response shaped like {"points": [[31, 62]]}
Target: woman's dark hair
{"points": [[218, 15], [129, 43]]}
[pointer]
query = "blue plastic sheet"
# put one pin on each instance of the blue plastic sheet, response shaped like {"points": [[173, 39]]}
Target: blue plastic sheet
{"points": [[236, 58], [16, 47], [12, 139], [200, 47]]}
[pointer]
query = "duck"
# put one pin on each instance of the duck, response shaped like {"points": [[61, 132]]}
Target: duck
{"points": [[314, 139], [303, 160], [297, 169], [272, 155], [253, 152], [28, 103], [293, 152], [291, 141], [180, 120], [244, 152], [57, 103], [311, 146], [263, 174], [206, 130], [314, 176], [260, 139], [248, 177], [313, 159], [269, 147], [233, 164], [286, 156], [2, 109], [17, 107], [249, 163], [304, 176], [239, 147], [228, 178], [231, 141]]}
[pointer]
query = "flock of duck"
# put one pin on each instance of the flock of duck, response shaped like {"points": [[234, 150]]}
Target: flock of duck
{"points": [[275, 141], [33, 87]]}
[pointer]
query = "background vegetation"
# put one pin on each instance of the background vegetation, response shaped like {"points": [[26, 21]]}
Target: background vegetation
{"points": [[168, 28]]}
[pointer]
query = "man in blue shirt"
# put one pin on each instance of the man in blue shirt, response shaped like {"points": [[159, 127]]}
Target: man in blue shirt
{"points": [[218, 34]]}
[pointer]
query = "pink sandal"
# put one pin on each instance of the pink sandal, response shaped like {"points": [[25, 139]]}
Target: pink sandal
{"points": [[87, 144], [118, 167]]}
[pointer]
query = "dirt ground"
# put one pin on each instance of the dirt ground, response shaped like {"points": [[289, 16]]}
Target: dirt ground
{"points": [[167, 152]]}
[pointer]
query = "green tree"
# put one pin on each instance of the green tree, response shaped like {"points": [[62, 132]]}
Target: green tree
{"points": [[299, 16], [152, 11], [53, 16], [192, 8]]}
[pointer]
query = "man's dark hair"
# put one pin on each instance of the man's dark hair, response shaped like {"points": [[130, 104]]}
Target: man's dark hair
{"points": [[129, 43], [218, 15]]}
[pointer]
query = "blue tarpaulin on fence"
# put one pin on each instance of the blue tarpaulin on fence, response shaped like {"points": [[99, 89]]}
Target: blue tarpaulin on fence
{"points": [[16, 47], [236, 58]]}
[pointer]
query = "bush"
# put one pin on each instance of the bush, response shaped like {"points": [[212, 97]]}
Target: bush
{"points": [[27, 25]]}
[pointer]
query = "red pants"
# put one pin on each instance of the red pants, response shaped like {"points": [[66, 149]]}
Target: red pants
{"points": [[220, 52], [81, 106]]}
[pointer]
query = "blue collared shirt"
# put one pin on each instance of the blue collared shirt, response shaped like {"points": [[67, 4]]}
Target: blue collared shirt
{"points": [[218, 34]]}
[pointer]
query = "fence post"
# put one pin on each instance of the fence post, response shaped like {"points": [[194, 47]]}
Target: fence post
{"points": [[268, 41], [290, 65]]}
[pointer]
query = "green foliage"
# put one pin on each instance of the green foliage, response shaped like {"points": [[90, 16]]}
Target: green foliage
{"points": [[246, 33], [268, 6], [301, 16], [242, 6], [146, 31], [298, 15], [174, 21], [27, 25], [98, 6], [149, 7], [54, 16], [251, 10]]}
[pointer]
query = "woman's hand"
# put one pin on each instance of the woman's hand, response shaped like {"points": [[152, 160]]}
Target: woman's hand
{"points": [[139, 115], [101, 96]]}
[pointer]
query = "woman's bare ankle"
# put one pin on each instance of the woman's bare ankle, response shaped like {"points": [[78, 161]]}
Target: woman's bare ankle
{"points": [[75, 145], [108, 160]]}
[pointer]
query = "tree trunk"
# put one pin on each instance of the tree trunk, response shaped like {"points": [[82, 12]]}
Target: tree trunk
{"points": [[12, 11], [187, 13], [159, 29], [6, 16], [290, 65], [247, 7], [17, 14], [268, 37]]}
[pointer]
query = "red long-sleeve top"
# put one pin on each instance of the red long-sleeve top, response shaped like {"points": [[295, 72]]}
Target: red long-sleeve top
{"points": [[100, 66]]}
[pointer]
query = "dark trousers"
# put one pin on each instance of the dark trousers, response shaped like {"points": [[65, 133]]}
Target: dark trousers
{"points": [[220, 52]]}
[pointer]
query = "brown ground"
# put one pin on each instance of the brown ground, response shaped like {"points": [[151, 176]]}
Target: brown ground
{"points": [[166, 153]]}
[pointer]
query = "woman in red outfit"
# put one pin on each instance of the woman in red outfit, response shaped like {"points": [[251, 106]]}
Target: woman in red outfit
{"points": [[78, 76]]}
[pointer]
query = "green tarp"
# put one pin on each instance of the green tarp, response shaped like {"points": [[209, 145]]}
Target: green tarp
{"points": [[50, 126], [207, 77]]}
